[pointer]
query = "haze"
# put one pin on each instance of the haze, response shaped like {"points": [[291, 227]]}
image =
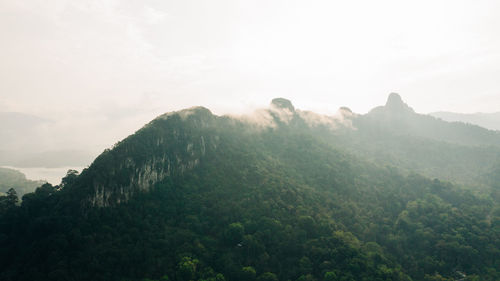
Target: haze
{"points": [[98, 70]]}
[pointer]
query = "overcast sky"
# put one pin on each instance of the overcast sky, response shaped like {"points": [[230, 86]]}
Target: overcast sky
{"points": [[91, 62]]}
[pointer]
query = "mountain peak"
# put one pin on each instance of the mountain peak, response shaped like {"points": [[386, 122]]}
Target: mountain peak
{"points": [[345, 109], [396, 103], [283, 104], [197, 111], [394, 98]]}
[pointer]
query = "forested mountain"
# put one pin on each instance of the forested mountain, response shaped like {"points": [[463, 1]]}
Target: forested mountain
{"points": [[399, 119], [487, 120], [394, 134], [282, 194]]}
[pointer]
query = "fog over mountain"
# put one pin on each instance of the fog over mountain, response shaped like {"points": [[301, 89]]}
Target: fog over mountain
{"points": [[32, 142], [277, 194]]}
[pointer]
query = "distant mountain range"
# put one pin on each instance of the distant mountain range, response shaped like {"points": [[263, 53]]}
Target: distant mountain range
{"points": [[487, 120]]}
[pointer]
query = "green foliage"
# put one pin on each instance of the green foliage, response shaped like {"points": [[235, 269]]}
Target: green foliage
{"points": [[307, 277], [267, 276], [248, 273], [234, 233], [8, 201], [69, 179], [186, 269], [330, 276], [436, 277], [305, 265]]}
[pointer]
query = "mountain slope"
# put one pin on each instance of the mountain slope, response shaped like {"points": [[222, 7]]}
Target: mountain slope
{"points": [[194, 196], [400, 119], [489, 121], [395, 135]]}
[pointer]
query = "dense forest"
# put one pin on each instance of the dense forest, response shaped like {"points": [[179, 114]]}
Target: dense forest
{"points": [[280, 195]]}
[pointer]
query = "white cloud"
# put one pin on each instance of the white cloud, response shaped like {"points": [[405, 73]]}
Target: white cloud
{"points": [[63, 56], [154, 16]]}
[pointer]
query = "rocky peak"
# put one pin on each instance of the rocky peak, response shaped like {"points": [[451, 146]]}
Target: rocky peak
{"points": [[282, 103], [345, 109], [198, 115], [395, 106], [394, 98], [396, 103]]}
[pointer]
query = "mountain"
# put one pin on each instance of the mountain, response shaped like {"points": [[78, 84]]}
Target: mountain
{"points": [[396, 135], [10, 178], [281, 194], [396, 117], [489, 121]]}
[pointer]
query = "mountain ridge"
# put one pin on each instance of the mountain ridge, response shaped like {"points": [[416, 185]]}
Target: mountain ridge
{"points": [[489, 121], [276, 195], [169, 129]]}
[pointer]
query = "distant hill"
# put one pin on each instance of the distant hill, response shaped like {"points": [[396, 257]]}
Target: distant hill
{"points": [[399, 119], [487, 120], [10, 178]]}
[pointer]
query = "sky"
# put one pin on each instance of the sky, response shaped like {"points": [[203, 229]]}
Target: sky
{"points": [[109, 66]]}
